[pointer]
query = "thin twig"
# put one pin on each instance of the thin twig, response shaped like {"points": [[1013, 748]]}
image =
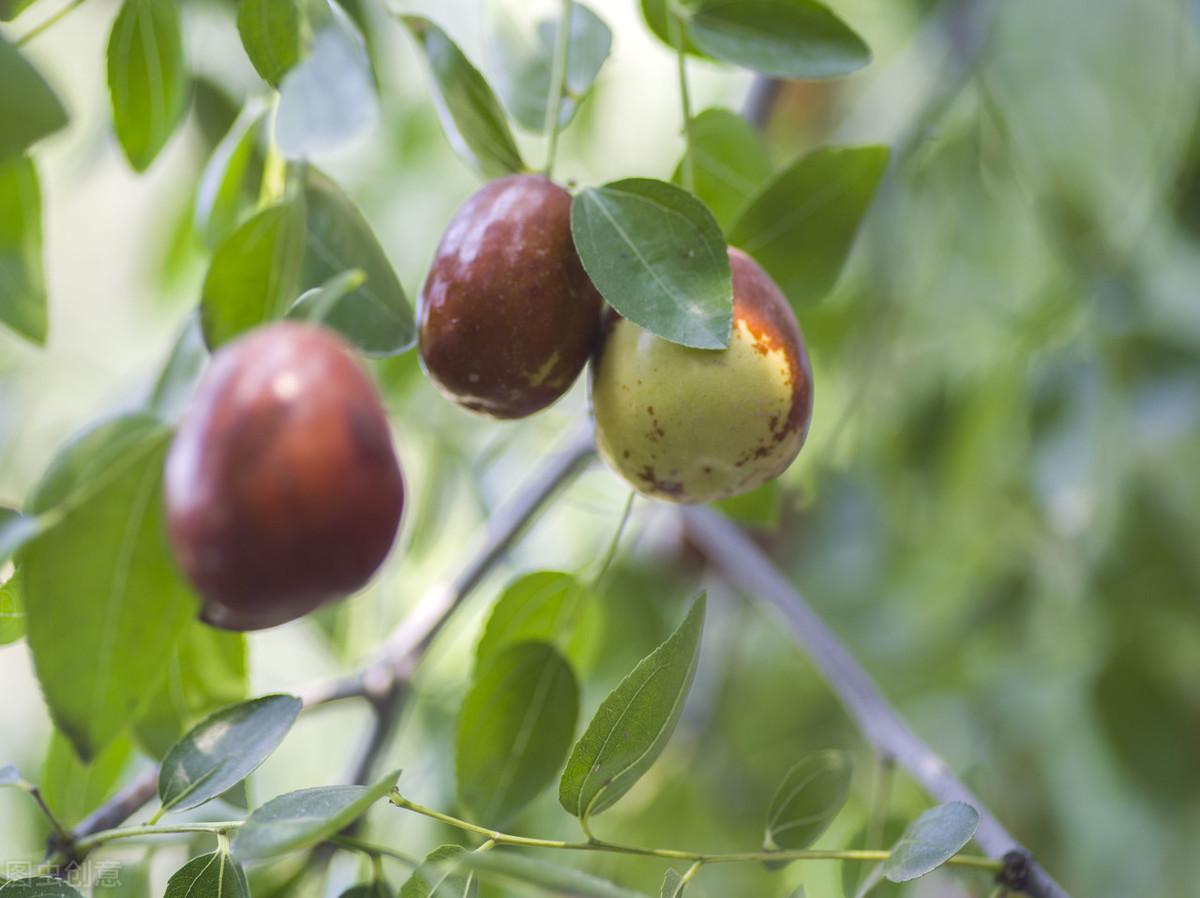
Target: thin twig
{"points": [[744, 566]]}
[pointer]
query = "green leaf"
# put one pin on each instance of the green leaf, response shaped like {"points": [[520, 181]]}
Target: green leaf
{"points": [[656, 14], [275, 34], [633, 724], [10, 9], [931, 840], [730, 162], [147, 79], [221, 195], [177, 380], [329, 98], [658, 257], [673, 885], [508, 869], [375, 316], [438, 875], [762, 507], [254, 273], [223, 749], [207, 672], [12, 611], [543, 606], [515, 729], [100, 580], [783, 38], [29, 109], [73, 788], [520, 52], [299, 819], [317, 304], [215, 875], [801, 225], [38, 887], [22, 280], [856, 877], [376, 889], [812, 793], [470, 113]]}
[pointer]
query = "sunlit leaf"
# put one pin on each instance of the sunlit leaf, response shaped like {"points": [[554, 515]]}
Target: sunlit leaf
{"points": [[658, 257]]}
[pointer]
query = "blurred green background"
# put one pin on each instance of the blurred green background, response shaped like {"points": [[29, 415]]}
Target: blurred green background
{"points": [[999, 506]]}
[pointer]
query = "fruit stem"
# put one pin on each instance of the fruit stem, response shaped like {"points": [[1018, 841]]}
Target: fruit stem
{"points": [[675, 25], [558, 85]]}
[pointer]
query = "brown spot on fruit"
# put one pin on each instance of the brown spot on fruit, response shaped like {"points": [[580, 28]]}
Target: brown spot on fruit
{"points": [[507, 316], [282, 488]]}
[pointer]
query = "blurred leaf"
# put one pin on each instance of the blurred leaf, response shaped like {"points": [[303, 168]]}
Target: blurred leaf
{"points": [[784, 38], [801, 225], [130, 879], [74, 788], [377, 889], [215, 875], [470, 113], [98, 581], [634, 723], [515, 729], [254, 273], [299, 819], [520, 49], [542, 606], [329, 98], [438, 875], [656, 14], [177, 380], [762, 507], [22, 280], [810, 796], [852, 871], [147, 79], [207, 672], [931, 840], [317, 303], [223, 749], [221, 195], [28, 107], [38, 887], [673, 885], [658, 257], [275, 34], [730, 162], [375, 316], [12, 611], [506, 868], [10, 9]]}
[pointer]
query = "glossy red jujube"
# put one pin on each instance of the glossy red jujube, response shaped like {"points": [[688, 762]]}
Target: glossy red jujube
{"points": [[507, 316], [283, 491]]}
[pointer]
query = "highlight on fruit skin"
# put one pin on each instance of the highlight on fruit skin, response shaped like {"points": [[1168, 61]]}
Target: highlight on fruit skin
{"points": [[694, 425], [282, 488], [507, 317]]}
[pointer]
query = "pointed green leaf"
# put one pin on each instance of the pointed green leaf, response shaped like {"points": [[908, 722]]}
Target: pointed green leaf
{"points": [[329, 98], [811, 795], [147, 78], [28, 107], [634, 723], [520, 54], [74, 788], [99, 580], [730, 162], [299, 819], [215, 875], [543, 606], [38, 887], [515, 729], [275, 34], [375, 316], [22, 280], [783, 38], [658, 256], [801, 225], [505, 869], [207, 672], [470, 113], [221, 194], [223, 749], [254, 273], [931, 840], [438, 876]]}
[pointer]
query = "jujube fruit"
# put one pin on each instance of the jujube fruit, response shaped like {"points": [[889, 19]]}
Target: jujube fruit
{"points": [[692, 425], [507, 316], [283, 491]]}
